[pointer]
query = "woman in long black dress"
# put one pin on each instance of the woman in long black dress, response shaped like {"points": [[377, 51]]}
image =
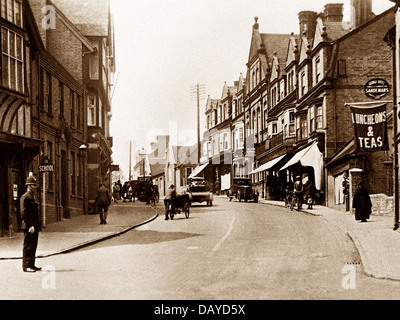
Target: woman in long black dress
{"points": [[362, 203]]}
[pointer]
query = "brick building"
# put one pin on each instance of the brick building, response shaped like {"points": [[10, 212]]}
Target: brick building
{"points": [[96, 69], [44, 91], [295, 104], [19, 144], [61, 115]]}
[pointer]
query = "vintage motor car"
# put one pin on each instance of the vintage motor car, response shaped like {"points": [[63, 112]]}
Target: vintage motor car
{"points": [[200, 193], [242, 190]]}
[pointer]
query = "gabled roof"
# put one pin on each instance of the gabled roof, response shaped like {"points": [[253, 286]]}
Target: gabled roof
{"points": [[293, 49], [276, 44], [266, 46], [91, 17]]}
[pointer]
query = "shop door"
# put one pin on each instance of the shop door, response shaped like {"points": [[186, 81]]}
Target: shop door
{"points": [[3, 202], [16, 193]]}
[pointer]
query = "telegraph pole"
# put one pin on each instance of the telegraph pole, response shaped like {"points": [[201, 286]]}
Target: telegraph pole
{"points": [[198, 92], [130, 160]]}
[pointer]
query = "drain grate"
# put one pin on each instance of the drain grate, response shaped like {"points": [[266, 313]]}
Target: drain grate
{"points": [[353, 263]]}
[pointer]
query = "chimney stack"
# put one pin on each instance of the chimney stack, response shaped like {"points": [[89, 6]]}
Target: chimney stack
{"points": [[361, 12], [308, 23], [333, 12]]}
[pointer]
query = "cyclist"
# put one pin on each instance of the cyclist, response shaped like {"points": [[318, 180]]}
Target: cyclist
{"points": [[170, 195]]}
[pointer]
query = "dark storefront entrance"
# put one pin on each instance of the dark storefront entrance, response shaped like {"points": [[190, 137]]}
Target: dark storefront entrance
{"points": [[16, 161]]}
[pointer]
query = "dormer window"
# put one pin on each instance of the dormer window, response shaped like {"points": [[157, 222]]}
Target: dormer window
{"points": [[317, 69], [303, 83]]}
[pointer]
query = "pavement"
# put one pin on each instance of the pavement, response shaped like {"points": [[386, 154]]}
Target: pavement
{"points": [[81, 231], [376, 241]]}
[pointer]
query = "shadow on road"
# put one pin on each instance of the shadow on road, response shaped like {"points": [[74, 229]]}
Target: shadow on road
{"points": [[142, 237]]}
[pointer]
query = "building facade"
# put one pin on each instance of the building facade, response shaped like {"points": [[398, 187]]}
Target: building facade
{"points": [[97, 68], [44, 117], [295, 104]]}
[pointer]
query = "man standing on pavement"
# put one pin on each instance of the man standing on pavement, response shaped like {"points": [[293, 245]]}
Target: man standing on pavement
{"points": [[103, 201], [30, 225]]}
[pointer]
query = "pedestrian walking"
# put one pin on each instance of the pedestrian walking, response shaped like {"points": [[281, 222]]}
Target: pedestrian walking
{"points": [[298, 192], [103, 201], [362, 203], [30, 225], [116, 192], [308, 194], [170, 195]]}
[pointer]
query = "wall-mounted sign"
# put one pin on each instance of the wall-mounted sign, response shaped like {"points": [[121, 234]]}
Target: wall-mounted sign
{"points": [[46, 165], [376, 88]]}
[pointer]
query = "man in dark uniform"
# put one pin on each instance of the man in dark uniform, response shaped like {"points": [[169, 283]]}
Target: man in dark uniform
{"points": [[30, 225]]}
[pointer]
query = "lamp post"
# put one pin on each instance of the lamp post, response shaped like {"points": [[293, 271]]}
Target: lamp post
{"points": [[83, 153]]}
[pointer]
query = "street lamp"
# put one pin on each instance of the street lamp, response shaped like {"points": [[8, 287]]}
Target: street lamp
{"points": [[83, 154]]}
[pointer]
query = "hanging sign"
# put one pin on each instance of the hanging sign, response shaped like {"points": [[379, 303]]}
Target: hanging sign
{"points": [[376, 88], [370, 127]]}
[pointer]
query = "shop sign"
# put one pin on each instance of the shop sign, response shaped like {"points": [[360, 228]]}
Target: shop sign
{"points": [[370, 127], [376, 88]]}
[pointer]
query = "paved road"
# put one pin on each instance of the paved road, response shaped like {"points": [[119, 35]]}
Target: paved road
{"points": [[231, 251]]}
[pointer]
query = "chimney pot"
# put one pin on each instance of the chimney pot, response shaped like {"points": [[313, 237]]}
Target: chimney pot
{"points": [[333, 12]]}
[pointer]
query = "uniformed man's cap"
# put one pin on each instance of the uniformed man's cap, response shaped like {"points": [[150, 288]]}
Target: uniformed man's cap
{"points": [[31, 181]]}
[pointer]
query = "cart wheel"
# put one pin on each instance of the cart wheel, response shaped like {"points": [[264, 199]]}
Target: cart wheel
{"points": [[187, 210]]}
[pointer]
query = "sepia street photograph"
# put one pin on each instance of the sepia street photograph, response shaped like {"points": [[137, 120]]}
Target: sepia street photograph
{"points": [[199, 157]]}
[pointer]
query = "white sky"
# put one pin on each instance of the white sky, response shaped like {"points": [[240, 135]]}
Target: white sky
{"points": [[165, 47]]}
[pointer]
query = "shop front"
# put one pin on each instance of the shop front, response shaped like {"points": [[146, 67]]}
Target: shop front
{"points": [[16, 161]]}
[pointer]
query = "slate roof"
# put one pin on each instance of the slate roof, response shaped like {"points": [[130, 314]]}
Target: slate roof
{"points": [[276, 43]]}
